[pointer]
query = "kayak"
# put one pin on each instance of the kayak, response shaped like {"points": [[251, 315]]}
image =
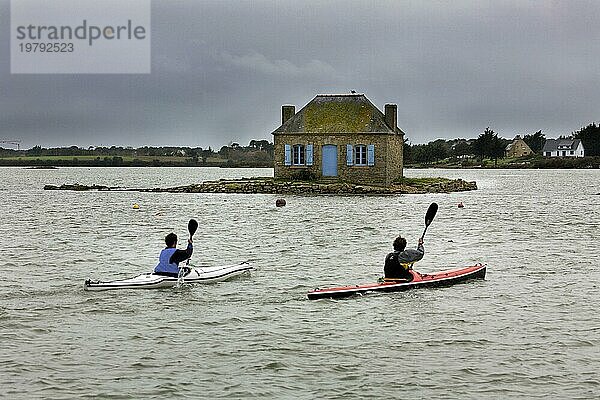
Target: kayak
{"points": [[441, 278], [153, 281]]}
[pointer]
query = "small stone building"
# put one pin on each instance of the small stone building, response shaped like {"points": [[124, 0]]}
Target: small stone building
{"points": [[339, 137], [517, 148]]}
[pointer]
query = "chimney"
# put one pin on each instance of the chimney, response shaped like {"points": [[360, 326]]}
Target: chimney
{"points": [[287, 112], [391, 115]]}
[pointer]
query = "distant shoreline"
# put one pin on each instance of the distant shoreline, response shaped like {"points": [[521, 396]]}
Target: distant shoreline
{"points": [[48, 162], [518, 163]]}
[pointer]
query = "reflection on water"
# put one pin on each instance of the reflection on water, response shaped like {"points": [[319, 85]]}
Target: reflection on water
{"points": [[529, 330]]}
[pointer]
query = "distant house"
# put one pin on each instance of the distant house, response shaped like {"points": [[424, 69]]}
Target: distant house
{"points": [[339, 137], [563, 148], [517, 148]]}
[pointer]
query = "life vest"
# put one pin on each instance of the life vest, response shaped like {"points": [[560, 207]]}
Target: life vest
{"points": [[163, 261], [394, 269]]}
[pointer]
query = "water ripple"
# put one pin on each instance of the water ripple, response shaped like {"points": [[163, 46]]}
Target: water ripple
{"points": [[530, 330]]}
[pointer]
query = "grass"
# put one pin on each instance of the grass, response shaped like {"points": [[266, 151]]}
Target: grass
{"points": [[337, 117], [421, 182], [477, 163], [147, 159]]}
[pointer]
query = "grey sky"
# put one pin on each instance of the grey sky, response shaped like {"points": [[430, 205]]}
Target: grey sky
{"points": [[222, 69]]}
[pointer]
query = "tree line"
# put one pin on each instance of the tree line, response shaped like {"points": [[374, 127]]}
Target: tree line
{"points": [[258, 153], [489, 145]]}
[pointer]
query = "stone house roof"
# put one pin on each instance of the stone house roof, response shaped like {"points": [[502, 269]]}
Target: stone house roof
{"points": [[518, 144], [511, 144], [338, 113]]}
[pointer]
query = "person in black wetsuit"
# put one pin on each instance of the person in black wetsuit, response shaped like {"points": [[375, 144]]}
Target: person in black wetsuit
{"points": [[399, 262], [170, 257]]}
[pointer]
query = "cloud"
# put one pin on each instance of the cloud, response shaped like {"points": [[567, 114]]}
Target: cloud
{"points": [[259, 63], [221, 70], [173, 64]]}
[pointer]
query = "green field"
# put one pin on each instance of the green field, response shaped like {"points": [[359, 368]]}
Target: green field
{"points": [[93, 160], [124, 158]]}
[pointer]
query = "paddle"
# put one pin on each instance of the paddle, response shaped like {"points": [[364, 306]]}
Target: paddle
{"points": [[192, 227], [431, 211]]}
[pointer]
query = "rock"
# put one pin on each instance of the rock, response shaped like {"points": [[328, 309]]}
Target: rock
{"points": [[78, 187], [271, 186]]}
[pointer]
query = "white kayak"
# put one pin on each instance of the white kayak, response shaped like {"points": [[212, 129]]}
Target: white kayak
{"points": [[153, 281]]}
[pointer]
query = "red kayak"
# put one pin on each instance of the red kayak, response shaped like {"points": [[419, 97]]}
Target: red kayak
{"points": [[442, 278]]}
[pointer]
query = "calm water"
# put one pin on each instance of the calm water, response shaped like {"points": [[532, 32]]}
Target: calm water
{"points": [[530, 330]]}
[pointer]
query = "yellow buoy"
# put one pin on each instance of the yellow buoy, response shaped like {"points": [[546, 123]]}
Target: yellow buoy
{"points": [[136, 206]]}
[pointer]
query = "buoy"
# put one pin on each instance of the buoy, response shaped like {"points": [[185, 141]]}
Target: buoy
{"points": [[461, 205], [280, 202], [136, 206]]}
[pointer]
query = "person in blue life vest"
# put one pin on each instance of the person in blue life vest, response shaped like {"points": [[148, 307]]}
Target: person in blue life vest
{"points": [[399, 262], [170, 257]]}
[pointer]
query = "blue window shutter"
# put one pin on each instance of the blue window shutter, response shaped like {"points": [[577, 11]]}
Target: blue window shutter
{"points": [[309, 154], [371, 155], [349, 154], [288, 154]]}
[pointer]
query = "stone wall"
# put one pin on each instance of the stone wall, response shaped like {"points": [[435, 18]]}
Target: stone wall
{"points": [[395, 158], [518, 149], [274, 186], [388, 156]]}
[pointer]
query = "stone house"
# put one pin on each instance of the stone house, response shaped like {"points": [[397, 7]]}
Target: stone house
{"points": [[517, 148], [563, 148], [339, 137]]}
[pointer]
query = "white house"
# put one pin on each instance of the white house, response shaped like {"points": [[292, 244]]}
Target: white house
{"points": [[563, 148]]}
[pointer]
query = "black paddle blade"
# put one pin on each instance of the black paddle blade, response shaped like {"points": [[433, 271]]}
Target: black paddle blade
{"points": [[431, 213], [192, 226]]}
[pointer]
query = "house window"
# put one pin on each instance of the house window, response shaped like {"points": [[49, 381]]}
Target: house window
{"points": [[360, 155], [572, 152], [564, 153], [298, 154]]}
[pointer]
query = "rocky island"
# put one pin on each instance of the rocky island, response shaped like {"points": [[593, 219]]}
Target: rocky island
{"points": [[276, 186]]}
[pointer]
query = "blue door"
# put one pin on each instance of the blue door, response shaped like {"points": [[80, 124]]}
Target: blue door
{"points": [[330, 160]]}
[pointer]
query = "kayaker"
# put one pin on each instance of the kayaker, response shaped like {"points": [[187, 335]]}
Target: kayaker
{"points": [[170, 257], [399, 262]]}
